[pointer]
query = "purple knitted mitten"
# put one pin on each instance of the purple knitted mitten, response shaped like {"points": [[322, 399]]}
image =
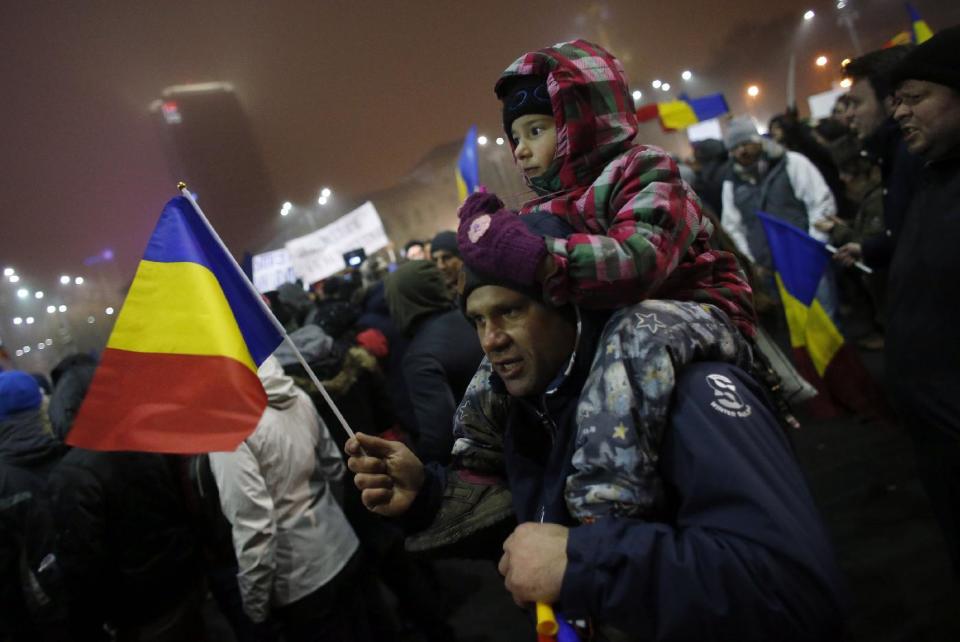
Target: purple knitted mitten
{"points": [[494, 240]]}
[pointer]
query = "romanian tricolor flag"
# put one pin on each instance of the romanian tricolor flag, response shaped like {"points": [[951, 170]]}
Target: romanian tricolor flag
{"points": [[680, 114], [468, 170], [820, 352], [918, 33], [179, 373], [920, 30]]}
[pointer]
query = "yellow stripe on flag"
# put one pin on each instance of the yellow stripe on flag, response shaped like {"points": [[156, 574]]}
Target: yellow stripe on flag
{"points": [[178, 308], [922, 32], [811, 328], [461, 186], [677, 114]]}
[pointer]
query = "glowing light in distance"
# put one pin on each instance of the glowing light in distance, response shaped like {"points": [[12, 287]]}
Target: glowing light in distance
{"points": [[499, 140], [62, 308], [322, 200], [38, 294], [656, 84], [753, 91], [637, 95], [665, 86], [23, 293], [481, 140], [65, 279], [51, 309], [30, 320], [109, 311], [822, 61], [13, 278], [17, 320], [78, 280], [687, 75], [809, 15], [325, 192], [9, 271], [846, 83]]}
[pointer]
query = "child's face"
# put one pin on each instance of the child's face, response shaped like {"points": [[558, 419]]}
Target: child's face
{"points": [[535, 137]]}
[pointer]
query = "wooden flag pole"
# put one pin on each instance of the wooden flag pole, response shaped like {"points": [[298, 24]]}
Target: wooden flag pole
{"points": [[267, 311]]}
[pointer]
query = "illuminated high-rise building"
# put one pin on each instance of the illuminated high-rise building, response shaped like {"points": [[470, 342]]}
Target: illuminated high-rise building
{"points": [[209, 144]]}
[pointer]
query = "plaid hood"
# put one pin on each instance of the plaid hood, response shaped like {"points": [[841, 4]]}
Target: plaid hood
{"points": [[592, 108]]}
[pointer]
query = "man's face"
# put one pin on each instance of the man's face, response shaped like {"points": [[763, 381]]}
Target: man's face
{"points": [[535, 137], [746, 154], [416, 253], [866, 112], [929, 115], [449, 264], [527, 342]]}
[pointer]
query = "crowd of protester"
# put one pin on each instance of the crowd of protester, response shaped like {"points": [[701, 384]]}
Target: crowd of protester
{"points": [[607, 308]]}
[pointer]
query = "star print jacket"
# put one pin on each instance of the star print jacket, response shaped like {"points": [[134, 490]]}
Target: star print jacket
{"points": [[690, 517], [618, 406]]}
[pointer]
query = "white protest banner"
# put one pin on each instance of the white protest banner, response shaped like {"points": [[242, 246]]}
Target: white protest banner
{"points": [[272, 269], [320, 254]]}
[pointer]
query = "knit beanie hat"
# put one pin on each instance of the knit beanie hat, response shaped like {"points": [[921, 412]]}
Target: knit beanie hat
{"points": [[542, 223], [445, 240], [937, 60], [522, 96], [18, 392], [739, 131]]}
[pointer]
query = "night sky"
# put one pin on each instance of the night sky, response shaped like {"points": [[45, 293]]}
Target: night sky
{"points": [[344, 94]]}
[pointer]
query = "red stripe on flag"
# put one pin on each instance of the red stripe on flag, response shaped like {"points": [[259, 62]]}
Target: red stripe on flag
{"points": [[852, 386], [168, 403], [821, 406]]}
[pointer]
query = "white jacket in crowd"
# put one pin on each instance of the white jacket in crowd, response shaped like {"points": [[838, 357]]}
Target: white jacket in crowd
{"points": [[290, 535]]}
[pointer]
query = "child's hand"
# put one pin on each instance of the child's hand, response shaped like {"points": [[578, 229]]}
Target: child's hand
{"points": [[482, 202]]}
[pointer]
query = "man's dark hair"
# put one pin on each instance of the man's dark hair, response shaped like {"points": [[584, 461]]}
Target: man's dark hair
{"points": [[877, 67]]}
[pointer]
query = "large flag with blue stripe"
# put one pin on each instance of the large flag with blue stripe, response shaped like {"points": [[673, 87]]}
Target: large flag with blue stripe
{"points": [[179, 373], [468, 169], [820, 351]]}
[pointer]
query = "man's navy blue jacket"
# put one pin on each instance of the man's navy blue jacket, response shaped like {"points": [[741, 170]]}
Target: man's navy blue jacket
{"points": [[739, 554]]}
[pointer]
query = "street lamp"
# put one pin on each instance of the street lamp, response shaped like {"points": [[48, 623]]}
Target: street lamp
{"points": [[65, 280], [809, 15], [109, 311], [822, 61], [687, 75], [481, 140], [9, 271], [23, 293], [62, 308], [325, 192], [286, 208], [51, 309], [846, 83], [29, 320], [38, 294], [656, 84], [665, 86], [753, 91], [13, 278], [499, 140], [78, 280], [17, 320]]}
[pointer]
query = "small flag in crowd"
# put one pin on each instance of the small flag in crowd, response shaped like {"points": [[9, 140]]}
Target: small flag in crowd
{"points": [[918, 33], [680, 114], [468, 170], [179, 373], [820, 352]]}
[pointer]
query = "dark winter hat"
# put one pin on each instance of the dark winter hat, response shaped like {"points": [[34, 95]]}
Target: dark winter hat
{"points": [[18, 392], [445, 240], [542, 223], [522, 96], [937, 60]]}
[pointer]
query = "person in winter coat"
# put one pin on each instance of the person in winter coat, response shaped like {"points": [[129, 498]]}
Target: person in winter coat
{"points": [[446, 255], [922, 351], [27, 455], [441, 358], [697, 527], [767, 178], [871, 114], [710, 161], [296, 552], [639, 232]]}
